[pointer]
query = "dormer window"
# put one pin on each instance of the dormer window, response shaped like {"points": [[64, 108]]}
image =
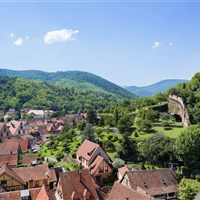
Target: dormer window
{"points": [[145, 185]]}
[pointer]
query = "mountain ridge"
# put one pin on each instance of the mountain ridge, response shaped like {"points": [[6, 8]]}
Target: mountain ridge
{"points": [[150, 90], [82, 80]]}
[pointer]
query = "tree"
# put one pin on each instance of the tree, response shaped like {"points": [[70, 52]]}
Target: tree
{"points": [[88, 133], [157, 149], [117, 163], [187, 146], [188, 188], [116, 116], [143, 124], [125, 123], [91, 116], [129, 148]]}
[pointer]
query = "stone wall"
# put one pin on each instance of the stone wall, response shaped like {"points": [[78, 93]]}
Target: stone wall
{"points": [[177, 106]]}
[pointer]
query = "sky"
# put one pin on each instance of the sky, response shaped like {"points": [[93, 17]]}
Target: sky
{"points": [[128, 43]]}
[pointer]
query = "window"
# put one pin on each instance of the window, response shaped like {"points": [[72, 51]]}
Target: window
{"points": [[36, 183], [3, 182]]}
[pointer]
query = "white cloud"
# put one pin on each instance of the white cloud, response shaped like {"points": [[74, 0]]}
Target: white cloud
{"points": [[59, 36], [156, 44], [171, 44], [19, 42], [12, 35], [27, 37]]}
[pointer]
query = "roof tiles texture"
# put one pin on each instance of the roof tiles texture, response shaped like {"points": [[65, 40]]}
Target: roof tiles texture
{"points": [[154, 182], [121, 192], [78, 184], [11, 160], [87, 149]]}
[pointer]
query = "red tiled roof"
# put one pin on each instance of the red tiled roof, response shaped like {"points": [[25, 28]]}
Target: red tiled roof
{"points": [[9, 148], [77, 184], [154, 182], [23, 143], [45, 194], [97, 162], [11, 160], [87, 149], [121, 192], [36, 173], [42, 193], [27, 160]]}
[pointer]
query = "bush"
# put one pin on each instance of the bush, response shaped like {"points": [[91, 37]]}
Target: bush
{"points": [[59, 156], [110, 137]]}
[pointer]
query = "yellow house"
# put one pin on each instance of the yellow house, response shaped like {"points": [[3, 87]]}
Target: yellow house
{"points": [[26, 177], [9, 179]]}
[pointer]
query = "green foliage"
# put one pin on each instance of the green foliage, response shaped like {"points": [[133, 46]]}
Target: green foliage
{"points": [[129, 149], [187, 146], [188, 189], [117, 163], [88, 133], [21, 93], [85, 81], [125, 123], [157, 149], [59, 156], [143, 125]]}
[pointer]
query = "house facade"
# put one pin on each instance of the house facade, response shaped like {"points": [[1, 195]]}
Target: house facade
{"points": [[159, 184], [92, 157], [27, 177]]}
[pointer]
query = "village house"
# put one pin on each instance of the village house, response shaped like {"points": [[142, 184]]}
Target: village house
{"points": [[11, 160], [29, 160], [42, 193], [159, 183], [12, 179], [76, 185], [38, 114], [17, 127], [11, 112], [121, 172], [92, 156], [4, 132], [122, 192], [10, 150]]}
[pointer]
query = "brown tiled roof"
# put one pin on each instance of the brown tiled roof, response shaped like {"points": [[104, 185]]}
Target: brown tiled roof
{"points": [[10, 171], [23, 144], [42, 193], [11, 159], [123, 170], [8, 148], [87, 149], [121, 192], [16, 195], [27, 160], [77, 184], [45, 194], [94, 166], [154, 182], [36, 173]]}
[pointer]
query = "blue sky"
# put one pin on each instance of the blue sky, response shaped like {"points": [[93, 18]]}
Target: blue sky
{"points": [[128, 43]]}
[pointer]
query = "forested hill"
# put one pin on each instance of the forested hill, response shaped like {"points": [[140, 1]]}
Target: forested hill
{"points": [[77, 79], [20, 93], [190, 93]]}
